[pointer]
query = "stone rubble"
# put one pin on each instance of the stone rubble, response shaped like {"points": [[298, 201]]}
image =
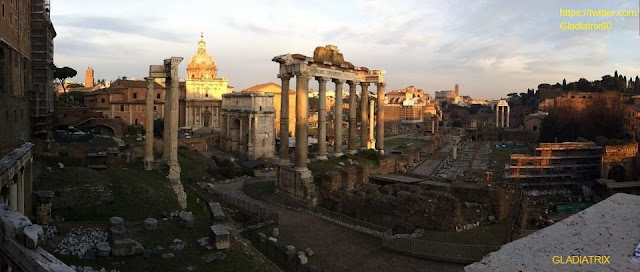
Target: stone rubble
{"points": [[90, 269], [177, 245], [49, 231], [78, 241]]}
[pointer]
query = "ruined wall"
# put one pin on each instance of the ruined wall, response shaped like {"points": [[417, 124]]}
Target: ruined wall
{"points": [[19, 248], [493, 200]]}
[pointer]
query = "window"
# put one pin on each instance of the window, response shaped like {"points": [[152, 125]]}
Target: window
{"points": [[157, 96], [3, 11], [154, 107], [121, 107], [102, 100], [535, 128], [135, 95]]}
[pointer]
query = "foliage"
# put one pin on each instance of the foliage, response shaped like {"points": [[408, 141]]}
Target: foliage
{"points": [[64, 73], [602, 117], [229, 169]]}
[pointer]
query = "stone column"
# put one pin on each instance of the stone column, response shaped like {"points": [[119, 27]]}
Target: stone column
{"points": [[148, 138], [28, 187], [13, 196], [284, 120], [364, 114], [322, 118], [302, 120], [502, 115], [337, 132], [174, 166], [167, 120], [508, 113], [497, 114], [380, 117], [21, 191], [353, 110], [371, 142]]}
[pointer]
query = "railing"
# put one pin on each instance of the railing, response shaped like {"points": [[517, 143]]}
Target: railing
{"points": [[460, 253], [248, 206], [341, 219]]}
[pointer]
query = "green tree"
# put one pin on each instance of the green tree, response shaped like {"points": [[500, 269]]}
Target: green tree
{"points": [[64, 73]]}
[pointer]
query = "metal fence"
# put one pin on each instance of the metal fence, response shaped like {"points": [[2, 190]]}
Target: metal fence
{"points": [[353, 223], [460, 253], [248, 206]]}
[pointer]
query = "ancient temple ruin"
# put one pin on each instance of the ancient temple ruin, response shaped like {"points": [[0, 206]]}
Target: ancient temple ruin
{"points": [[327, 64], [168, 71]]}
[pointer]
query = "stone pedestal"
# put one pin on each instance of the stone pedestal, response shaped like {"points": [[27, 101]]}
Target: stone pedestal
{"points": [[104, 249], [150, 224], [217, 214], [117, 228], [43, 207], [219, 236], [297, 184]]}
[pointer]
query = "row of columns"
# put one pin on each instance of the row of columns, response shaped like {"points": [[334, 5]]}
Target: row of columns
{"points": [[302, 118], [20, 191], [502, 111]]}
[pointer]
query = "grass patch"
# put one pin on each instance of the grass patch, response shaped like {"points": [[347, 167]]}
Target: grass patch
{"points": [[405, 144], [137, 195]]}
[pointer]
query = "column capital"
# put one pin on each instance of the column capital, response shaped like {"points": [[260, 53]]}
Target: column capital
{"points": [[303, 75], [285, 76], [353, 82], [322, 79], [338, 81], [149, 78], [381, 84], [365, 84]]}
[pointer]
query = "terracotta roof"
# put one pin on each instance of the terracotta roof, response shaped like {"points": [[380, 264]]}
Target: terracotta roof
{"points": [[259, 87], [136, 84]]}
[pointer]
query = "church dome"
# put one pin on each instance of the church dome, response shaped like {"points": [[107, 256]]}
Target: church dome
{"points": [[201, 65]]}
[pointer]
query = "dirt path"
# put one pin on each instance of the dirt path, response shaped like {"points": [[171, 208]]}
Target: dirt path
{"points": [[337, 248], [428, 166]]}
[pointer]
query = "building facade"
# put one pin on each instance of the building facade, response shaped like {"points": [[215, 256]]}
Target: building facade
{"points": [[247, 124], [632, 119], [89, 78], [276, 90], [43, 89], [204, 90], [125, 100], [15, 71]]}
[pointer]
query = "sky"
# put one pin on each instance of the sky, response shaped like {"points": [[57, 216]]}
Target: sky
{"points": [[490, 48]]}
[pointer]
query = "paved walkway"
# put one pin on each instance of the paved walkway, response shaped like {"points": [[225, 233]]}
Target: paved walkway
{"points": [[428, 166]]}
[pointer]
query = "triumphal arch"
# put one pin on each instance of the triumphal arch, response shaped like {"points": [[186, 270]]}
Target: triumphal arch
{"points": [[327, 64]]}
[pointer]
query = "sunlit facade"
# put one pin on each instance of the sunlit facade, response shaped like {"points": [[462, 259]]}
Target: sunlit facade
{"points": [[204, 90]]}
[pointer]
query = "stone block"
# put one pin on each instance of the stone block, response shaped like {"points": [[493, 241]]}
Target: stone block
{"points": [[275, 231], [104, 249], [302, 257], [291, 252], [32, 235], [308, 251], [216, 212], [150, 224], [116, 222], [186, 219], [219, 236], [126, 247], [13, 223]]}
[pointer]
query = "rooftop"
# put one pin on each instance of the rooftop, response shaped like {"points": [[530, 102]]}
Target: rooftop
{"points": [[608, 228]]}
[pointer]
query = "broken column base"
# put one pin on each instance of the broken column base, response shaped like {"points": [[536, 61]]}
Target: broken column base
{"points": [[371, 144], [178, 189], [297, 185], [148, 164]]}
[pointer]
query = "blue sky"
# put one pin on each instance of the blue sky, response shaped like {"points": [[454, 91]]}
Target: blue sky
{"points": [[490, 48]]}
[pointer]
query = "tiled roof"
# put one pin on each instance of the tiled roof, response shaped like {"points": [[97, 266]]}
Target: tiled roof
{"points": [[259, 87]]}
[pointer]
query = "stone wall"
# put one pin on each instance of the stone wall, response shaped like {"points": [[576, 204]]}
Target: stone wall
{"points": [[19, 248]]}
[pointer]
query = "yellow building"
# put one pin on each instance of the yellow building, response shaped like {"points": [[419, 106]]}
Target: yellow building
{"points": [[204, 90], [276, 90]]}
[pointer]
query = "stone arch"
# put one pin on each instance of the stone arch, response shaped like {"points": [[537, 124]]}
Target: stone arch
{"points": [[234, 128], [617, 173]]}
